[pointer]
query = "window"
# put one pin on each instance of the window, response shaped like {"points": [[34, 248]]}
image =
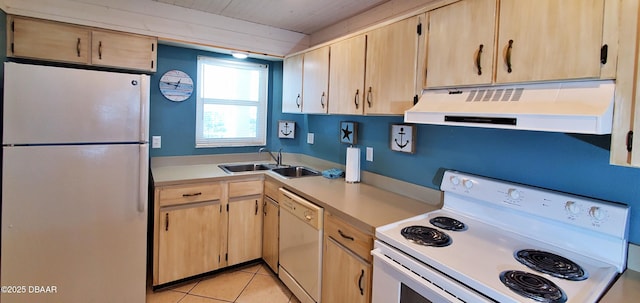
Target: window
{"points": [[231, 103]]}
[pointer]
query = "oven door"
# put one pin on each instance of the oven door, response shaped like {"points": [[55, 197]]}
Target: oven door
{"points": [[398, 278]]}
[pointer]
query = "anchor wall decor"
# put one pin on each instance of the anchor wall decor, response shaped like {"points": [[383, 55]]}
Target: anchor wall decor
{"points": [[403, 137], [286, 129]]}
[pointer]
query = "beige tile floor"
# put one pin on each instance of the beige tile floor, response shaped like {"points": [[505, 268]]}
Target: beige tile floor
{"points": [[250, 284]]}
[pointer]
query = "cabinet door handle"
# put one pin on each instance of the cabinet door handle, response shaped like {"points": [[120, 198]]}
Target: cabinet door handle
{"points": [[508, 57], [100, 50], [345, 236], [322, 100], [298, 101], [78, 47], [360, 282], [256, 207], [192, 194], [369, 93], [478, 59], [166, 222], [356, 99], [264, 208]]}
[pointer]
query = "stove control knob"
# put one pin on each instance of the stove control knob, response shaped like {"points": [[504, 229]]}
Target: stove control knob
{"points": [[513, 193], [467, 183], [454, 180], [596, 213], [572, 207]]}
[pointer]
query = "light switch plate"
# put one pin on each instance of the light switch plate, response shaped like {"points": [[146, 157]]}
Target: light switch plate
{"points": [[370, 154], [310, 138], [156, 142]]}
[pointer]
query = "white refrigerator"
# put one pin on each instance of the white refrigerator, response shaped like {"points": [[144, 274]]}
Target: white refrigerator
{"points": [[74, 185]]}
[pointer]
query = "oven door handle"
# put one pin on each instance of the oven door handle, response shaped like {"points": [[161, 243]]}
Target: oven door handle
{"points": [[429, 282]]}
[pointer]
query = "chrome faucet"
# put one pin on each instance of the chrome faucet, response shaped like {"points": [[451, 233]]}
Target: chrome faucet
{"points": [[278, 159]]}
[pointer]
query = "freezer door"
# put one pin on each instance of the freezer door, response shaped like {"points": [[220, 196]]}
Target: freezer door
{"points": [[44, 104], [74, 222]]}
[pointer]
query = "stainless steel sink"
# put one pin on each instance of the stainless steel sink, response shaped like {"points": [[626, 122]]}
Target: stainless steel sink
{"points": [[238, 168], [296, 171]]}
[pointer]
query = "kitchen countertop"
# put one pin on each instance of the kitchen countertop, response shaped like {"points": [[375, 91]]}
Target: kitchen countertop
{"points": [[363, 205], [626, 289]]}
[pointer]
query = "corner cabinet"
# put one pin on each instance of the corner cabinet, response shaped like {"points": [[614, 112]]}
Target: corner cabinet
{"points": [[346, 269], [270, 225], [39, 39], [375, 73], [306, 82], [292, 84]]}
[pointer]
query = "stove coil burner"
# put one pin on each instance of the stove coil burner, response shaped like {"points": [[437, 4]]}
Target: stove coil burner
{"points": [[551, 264], [447, 223], [533, 286], [426, 236]]}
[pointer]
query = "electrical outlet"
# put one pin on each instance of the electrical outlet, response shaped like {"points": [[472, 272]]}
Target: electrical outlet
{"points": [[156, 141], [310, 138], [370, 154]]}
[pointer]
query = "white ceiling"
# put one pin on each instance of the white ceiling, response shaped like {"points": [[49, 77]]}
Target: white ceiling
{"points": [[303, 16]]}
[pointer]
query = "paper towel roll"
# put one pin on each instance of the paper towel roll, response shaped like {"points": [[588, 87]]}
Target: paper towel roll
{"points": [[352, 171]]}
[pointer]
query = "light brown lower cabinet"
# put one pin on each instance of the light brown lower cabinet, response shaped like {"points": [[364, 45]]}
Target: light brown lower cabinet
{"points": [[346, 267], [270, 230], [204, 226], [244, 237], [345, 276], [189, 241]]}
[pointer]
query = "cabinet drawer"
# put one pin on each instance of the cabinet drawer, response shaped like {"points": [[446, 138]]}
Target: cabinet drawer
{"points": [[245, 188], [349, 236], [189, 193], [271, 189]]}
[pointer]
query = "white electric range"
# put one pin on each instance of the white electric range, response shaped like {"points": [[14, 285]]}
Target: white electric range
{"points": [[497, 241]]}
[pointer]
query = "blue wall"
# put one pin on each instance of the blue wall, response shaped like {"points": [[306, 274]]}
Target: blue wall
{"points": [[175, 121], [568, 163]]}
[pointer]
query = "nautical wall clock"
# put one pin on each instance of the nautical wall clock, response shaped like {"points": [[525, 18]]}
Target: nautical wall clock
{"points": [[403, 138], [176, 85]]}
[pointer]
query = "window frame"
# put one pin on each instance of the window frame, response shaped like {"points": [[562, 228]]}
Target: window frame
{"points": [[261, 106]]}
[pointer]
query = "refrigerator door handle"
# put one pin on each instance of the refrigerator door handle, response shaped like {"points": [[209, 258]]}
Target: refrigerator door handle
{"points": [[143, 178], [144, 108]]}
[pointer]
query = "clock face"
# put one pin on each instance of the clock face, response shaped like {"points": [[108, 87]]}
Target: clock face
{"points": [[176, 85]]}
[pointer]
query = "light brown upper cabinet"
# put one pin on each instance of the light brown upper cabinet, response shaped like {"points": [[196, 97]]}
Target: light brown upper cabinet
{"points": [[48, 40], [315, 81], [542, 40], [375, 73], [549, 40], [61, 42], [123, 50], [306, 82], [626, 120], [292, 84], [461, 44], [346, 76]]}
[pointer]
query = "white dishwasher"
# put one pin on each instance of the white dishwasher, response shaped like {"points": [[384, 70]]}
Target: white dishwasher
{"points": [[300, 266]]}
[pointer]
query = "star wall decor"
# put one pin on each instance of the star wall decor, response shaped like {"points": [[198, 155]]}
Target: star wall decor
{"points": [[349, 132]]}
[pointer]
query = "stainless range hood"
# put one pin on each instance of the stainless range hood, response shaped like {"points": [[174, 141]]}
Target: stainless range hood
{"points": [[584, 107]]}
